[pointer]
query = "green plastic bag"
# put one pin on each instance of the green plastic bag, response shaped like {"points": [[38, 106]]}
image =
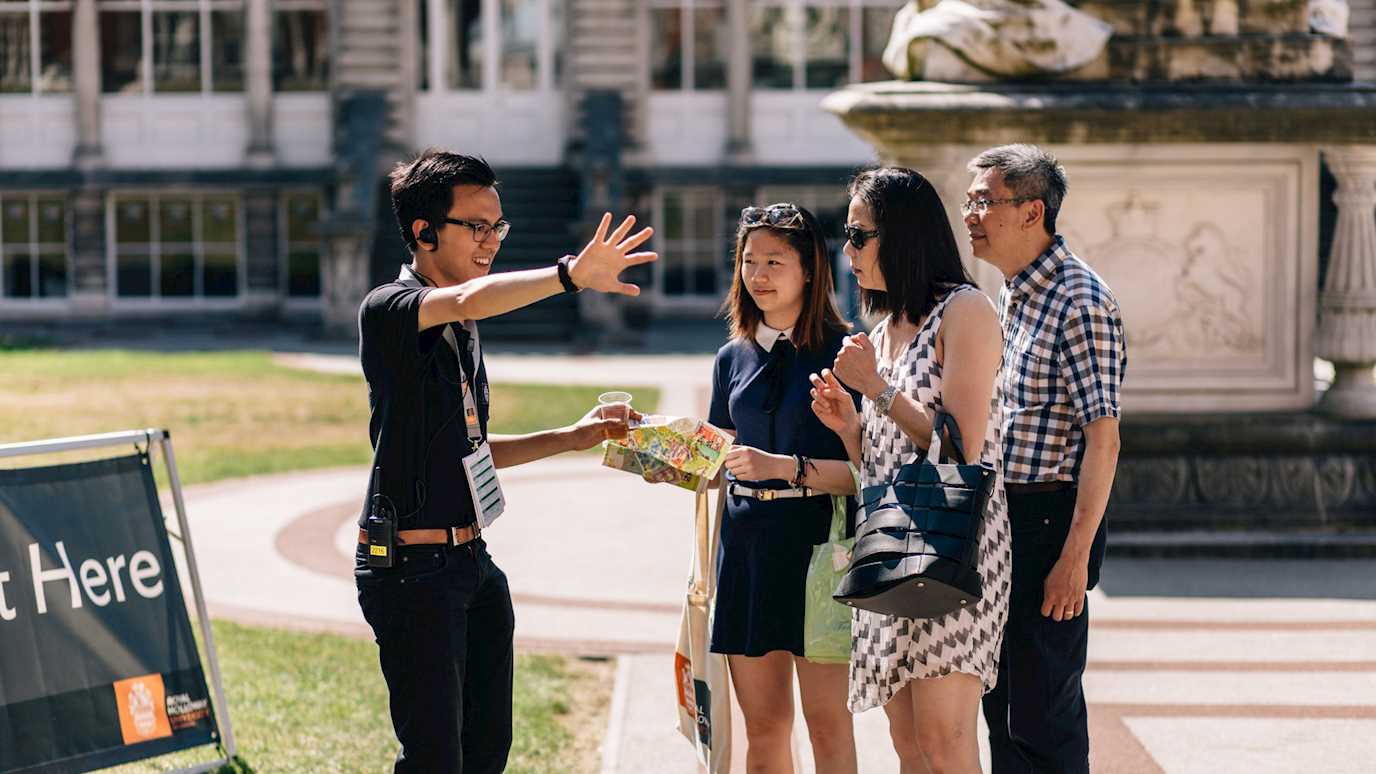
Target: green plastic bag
{"points": [[826, 622]]}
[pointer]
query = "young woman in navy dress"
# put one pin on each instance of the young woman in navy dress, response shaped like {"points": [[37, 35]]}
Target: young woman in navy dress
{"points": [[781, 475]]}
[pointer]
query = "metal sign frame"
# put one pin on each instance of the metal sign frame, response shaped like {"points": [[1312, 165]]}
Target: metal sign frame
{"points": [[163, 439]]}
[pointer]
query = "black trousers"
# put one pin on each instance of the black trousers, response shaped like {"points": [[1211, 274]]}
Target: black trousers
{"points": [[1036, 713], [443, 623]]}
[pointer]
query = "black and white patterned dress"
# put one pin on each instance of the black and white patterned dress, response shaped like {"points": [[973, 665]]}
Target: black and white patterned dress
{"points": [[888, 651]]}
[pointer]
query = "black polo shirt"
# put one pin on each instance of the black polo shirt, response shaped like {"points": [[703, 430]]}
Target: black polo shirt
{"points": [[415, 393]]}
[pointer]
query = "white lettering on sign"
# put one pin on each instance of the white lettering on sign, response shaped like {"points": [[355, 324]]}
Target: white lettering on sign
{"points": [[99, 579], [116, 564], [93, 579], [142, 566], [7, 613], [42, 576]]}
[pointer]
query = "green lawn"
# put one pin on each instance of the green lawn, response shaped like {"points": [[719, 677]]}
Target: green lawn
{"points": [[300, 702], [316, 703], [233, 413]]}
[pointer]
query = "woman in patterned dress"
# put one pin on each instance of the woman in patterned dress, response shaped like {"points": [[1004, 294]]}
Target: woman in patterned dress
{"points": [[938, 347]]}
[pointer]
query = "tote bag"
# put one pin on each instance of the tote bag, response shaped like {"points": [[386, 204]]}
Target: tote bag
{"points": [[702, 679]]}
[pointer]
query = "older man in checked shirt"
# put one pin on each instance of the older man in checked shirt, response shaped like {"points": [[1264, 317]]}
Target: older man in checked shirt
{"points": [[1063, 365]]}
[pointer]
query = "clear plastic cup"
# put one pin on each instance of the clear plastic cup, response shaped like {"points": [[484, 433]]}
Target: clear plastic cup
{"points": [[615, 405]]}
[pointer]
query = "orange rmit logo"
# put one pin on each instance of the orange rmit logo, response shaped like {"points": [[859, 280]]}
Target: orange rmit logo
{"points": [[142, 708]]}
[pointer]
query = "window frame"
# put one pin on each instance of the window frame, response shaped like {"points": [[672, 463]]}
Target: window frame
{"points": [[689, 244], [285, 245], [687, 52], [155, 299], [36, 248], [795, 16], [33, 9], [204, 30], [437, 48], [314, 6]]}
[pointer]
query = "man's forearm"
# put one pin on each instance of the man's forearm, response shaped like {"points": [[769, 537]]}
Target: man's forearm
{"points": [[1096, 481], [509, 450], [489, 296]]}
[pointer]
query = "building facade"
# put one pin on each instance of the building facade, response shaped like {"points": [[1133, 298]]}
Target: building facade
{"points": [[225, 157], [170, 157]]}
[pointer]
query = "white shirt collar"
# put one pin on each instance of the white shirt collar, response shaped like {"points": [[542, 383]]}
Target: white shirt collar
{"points": [[765, 336]]}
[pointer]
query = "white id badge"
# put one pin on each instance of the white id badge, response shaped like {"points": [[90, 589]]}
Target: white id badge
{"points": [[488, 502]]}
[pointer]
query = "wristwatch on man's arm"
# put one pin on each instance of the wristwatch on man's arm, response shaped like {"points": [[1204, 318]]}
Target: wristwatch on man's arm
{"points": [[565, 278]]}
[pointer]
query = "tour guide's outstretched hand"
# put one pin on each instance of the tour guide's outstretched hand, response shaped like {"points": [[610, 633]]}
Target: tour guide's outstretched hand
{"points": [[600, 264]]}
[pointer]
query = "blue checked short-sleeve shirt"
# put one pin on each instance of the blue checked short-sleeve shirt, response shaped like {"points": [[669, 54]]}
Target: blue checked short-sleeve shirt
{"points": [[1064, 358]]}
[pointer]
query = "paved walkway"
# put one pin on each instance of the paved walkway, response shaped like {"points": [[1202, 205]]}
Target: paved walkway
{"points": [[1195, 666]]}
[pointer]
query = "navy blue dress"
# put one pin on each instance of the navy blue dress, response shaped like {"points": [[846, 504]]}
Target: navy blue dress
{"points": [[766, 546]]}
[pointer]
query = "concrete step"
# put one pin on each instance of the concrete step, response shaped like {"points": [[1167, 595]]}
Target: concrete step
{"points": [[371, 22], [383, 57], [363, 78]]}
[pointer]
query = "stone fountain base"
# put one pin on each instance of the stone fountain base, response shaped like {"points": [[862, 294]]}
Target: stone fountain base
{"points": [[1257, 484]]}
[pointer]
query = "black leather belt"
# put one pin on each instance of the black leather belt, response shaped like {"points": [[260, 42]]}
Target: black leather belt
{"points": [[1038, 487]]}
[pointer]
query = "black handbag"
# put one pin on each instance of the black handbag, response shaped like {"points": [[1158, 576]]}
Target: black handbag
{"points": [[916, 554]]}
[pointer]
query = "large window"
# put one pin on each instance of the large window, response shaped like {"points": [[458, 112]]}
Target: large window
{"points": [[175, 246], [33, 246], [688, 45], [454, 55], [695, 238], [695, 253], [35, 46], [301, 244], [818, 44], [465, 30], [300, 46], [171, 46]]}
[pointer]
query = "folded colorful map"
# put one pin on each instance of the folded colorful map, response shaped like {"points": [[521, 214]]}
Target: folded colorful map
{"points": [[682, 451]]}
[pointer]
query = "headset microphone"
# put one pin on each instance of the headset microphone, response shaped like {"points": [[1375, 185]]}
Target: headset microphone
{"points": [[428, 236]]}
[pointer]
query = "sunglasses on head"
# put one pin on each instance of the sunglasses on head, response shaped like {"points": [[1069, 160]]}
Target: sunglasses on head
{"points": [[775, 216], [858, 236]]}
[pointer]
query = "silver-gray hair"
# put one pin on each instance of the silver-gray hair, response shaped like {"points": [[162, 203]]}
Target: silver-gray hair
{"points": [[1030, 173]]}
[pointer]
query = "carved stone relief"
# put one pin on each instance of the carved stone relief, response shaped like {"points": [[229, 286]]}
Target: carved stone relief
{"points": [[1321, 490], [1187, 293]]}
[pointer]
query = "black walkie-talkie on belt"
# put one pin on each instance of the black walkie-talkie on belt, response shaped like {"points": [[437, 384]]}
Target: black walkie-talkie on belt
{"points": [[382, 526]]}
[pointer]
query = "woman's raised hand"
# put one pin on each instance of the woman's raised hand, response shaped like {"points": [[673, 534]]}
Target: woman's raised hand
{"points": [[833, 405], [858, 367]]}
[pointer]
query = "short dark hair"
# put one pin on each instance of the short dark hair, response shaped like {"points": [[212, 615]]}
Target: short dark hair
{"points": [[423, 188], [918, 254], [1030, 173], [820, 316]]}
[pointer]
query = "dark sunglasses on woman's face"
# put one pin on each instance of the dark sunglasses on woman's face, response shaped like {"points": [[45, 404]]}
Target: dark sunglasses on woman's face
{"points": [[858, 236], [775, 215]]}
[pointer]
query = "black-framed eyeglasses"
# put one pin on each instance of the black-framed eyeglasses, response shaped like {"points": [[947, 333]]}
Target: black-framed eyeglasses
{"points": [[480, 230], [858, 236], [775, 216], [981, 206]]}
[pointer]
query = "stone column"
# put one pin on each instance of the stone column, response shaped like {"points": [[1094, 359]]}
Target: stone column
{"points": [[344, 277], [86, 77], [258, 83], [738, 82], [1347, 305], [264, 290], [90, 291]]}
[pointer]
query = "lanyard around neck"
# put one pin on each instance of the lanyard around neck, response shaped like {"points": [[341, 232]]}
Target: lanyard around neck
{"points": [[412, 278]]}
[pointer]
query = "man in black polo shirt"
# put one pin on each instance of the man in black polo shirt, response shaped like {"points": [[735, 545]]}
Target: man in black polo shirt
{"points": [[441, 613]]}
